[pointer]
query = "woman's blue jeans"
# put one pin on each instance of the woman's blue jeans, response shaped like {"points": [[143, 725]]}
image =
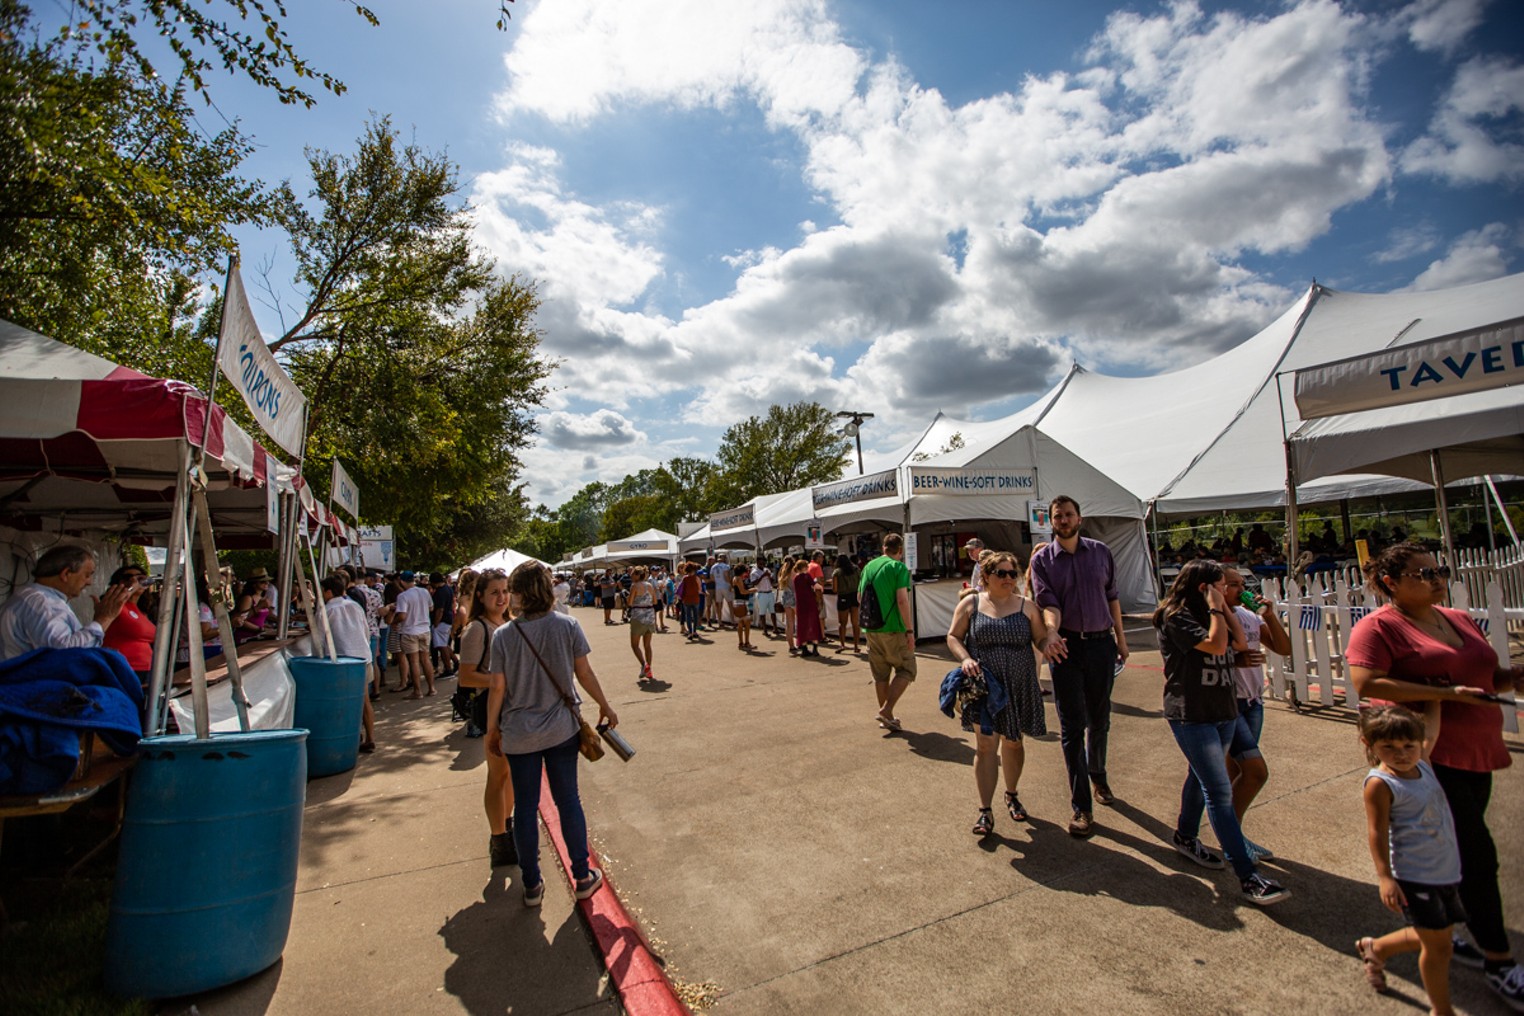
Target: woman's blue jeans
{"points": [[560, 767], [1207, 788], [690, 618]]}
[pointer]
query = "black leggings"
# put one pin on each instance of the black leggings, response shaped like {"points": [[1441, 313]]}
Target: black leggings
{"points": [[1468, 793]]}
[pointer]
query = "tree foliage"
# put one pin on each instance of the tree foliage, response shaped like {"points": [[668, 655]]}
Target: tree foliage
{"points": [[113, 202], [792, 446], [420, 365]]}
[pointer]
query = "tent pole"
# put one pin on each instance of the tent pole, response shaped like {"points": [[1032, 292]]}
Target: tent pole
{"points": [[1436, 468], [289, 522], [1154, 558], [1293, 542], [1502, 511], [1349, 529], [164, 636]]}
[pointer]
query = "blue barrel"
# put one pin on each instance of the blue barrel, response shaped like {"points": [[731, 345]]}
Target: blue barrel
{"points": [[330, 699], [206, 872]]}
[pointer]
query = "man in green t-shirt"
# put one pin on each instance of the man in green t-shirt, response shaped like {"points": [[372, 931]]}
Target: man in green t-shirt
{"points": [[891, 647]]}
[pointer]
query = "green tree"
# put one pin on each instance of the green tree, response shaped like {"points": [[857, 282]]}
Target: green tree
{"points": [[420, 366], [113, 203], [791, 447]]}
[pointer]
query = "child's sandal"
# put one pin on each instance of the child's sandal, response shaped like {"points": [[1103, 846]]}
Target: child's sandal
{"points": [[1375, 968]]}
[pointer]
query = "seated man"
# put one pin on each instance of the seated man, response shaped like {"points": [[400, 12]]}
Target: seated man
{"points": [[38, 616]]}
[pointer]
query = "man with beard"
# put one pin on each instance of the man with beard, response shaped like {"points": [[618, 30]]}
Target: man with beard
{"points": [[1074, 582]]}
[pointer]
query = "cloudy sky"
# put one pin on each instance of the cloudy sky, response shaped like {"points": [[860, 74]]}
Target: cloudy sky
{"points": [[907, 207]]}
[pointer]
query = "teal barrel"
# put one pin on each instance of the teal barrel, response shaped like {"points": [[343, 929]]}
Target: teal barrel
{"points": [[206, 873], [330, 698]]}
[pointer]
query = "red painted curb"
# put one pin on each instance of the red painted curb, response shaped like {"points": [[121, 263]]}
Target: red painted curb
{"points": [[642, 984]]}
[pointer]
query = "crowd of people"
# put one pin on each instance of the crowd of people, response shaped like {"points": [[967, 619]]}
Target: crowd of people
{"points": [[1432, 734]]}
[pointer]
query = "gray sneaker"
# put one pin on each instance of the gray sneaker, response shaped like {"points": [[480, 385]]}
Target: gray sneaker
{"points": [[1466, 954], [1198, 852], [534, 895]]}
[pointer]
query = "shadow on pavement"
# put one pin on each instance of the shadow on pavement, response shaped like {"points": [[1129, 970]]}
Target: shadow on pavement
{"points": [[932, 745], [503, 961]]}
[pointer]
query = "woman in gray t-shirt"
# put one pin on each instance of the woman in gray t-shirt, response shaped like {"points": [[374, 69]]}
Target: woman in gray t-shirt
{"points": [[530, 722]]}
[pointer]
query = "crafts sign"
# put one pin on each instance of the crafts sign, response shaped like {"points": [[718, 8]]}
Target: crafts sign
{"points": [[863, 488], [1473, 361], [276, 402]]}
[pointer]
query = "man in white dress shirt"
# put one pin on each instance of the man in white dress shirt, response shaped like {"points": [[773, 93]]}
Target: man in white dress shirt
{"points": [[38, 615]]}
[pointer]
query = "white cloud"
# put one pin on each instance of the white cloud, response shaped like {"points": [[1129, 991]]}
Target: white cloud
{"points": [[600, 430], [1441, 25], [1411, 242], [1103, 214], [1476, 257], [1462, 143]]}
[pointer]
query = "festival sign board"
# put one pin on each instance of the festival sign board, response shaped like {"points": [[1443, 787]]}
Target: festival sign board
{"points": [[957, 482], [1039, 519], [658, 547], [276, 402], [1473, 361], [860, 488], [345, 494], [736, 518]]}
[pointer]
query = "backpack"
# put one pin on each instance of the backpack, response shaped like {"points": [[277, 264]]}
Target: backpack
{"points": [[870, 610]]}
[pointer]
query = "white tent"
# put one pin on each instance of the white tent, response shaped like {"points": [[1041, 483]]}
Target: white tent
{"points": [[507, 559]]}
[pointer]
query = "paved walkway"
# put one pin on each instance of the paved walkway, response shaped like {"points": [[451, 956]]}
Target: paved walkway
{"points": [[397, 910], [782, 845], [776, 842]]}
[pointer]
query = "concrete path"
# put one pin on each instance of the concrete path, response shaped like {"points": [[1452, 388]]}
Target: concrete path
{"points": [[776, 841], [397, 910]]}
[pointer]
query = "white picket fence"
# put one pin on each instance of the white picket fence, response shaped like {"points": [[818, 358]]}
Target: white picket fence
{"points": [[1320, 616]]}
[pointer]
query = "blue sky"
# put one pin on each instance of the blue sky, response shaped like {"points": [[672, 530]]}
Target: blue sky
{"points": [[906, 208]]}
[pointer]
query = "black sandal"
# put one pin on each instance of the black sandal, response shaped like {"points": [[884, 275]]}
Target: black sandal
{"points": [[985, 823], [1013, 805]]}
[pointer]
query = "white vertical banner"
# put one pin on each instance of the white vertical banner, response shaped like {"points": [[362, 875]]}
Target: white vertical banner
{"points": [[272, 507], [276, 402], [912, 553], [344, 493]]}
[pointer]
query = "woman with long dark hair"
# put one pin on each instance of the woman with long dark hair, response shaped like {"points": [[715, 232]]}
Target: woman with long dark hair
{"points": [[533, 720], [487, 611], [844, 584], [1437, 659], [1197, 635]]}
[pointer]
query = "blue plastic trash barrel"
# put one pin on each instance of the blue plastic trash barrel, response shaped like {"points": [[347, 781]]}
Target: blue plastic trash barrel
{"points": [[206, 872], [330, 699]]}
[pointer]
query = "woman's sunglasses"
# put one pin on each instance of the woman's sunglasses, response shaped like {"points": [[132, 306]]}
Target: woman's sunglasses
{"points": [[1005, 573], [1429, 574]]}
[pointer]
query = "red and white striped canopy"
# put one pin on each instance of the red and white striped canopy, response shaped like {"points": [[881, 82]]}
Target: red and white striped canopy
{"points": [[91, 445]]}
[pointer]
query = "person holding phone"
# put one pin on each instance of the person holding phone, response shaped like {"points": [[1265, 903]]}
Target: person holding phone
{"points": [[1412, 651]]}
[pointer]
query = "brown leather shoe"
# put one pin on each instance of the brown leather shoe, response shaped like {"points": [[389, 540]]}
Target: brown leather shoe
{"points": [[1081, 825], [1102, 793]]}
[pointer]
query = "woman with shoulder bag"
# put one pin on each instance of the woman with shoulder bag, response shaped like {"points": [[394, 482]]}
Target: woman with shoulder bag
{"points": [[533, 721], [488, 611], [993, 633]]}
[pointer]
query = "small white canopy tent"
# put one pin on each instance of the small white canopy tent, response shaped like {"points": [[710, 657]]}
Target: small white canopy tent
{"points": [[507, 559]]}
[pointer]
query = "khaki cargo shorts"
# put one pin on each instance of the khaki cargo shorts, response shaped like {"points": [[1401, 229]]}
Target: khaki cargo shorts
{"points": [[890, 655], [415, 643]]}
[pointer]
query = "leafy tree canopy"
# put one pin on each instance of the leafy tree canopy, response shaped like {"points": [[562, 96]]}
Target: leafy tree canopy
{"points": [[792, 446]]}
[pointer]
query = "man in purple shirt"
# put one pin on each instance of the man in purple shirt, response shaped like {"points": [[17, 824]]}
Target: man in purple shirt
{"points": [[1074, 582]]}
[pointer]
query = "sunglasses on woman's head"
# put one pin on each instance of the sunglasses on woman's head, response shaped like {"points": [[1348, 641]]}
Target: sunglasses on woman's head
{"points": [[1429, 574], [1005, 573]]}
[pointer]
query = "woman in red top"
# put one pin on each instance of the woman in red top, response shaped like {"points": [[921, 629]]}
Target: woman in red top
{"points": [[131, 634], [1412, 651], [689, 594]]}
